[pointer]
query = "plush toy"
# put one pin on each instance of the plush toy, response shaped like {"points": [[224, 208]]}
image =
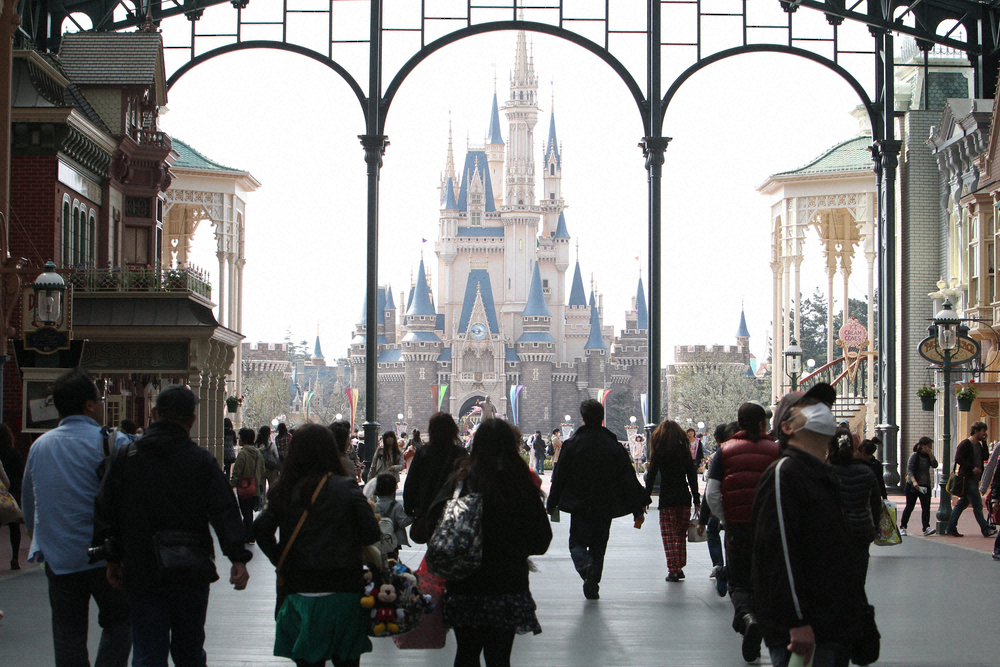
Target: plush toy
{"points": [[385, 612], [369, 580]]}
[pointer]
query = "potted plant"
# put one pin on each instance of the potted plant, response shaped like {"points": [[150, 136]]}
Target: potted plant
{"points": [[966, 395], [928, 397], [233, 403]]}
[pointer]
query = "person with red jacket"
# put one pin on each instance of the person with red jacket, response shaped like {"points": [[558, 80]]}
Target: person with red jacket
{"points": [[732, 482]]}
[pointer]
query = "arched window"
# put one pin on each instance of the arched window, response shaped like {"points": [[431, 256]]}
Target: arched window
{"points": [[75, 239], [552, 169], [66, 231], [91, 237]]}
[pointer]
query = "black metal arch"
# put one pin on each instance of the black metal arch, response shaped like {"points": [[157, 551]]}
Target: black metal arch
{"points": [[279, 46], [873, 113], [497, 26]]}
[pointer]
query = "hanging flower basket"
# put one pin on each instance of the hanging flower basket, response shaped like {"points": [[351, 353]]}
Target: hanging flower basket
{"points": [[965, 404], [966, 395], [232, 403], [927, 403]]}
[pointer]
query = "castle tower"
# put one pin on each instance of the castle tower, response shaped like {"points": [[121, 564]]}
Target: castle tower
{"points": [[536, 348], [520, 212], [317, 358], [743, 333], [552, 201], [421, 347], [577, 318], [389, 317], [495, 152], [596, 350]]}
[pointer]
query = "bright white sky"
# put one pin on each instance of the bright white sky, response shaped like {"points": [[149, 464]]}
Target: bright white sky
{"points": [[293, 124]]}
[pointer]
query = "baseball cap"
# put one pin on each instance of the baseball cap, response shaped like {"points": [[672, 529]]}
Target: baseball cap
{"points": [[177, 400], [821, 391]]}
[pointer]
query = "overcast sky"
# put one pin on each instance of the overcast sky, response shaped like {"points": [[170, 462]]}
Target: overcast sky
{"points": [[293, 123]]}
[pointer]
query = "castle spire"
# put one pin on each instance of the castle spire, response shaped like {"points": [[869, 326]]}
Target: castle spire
{"points": [[596, 340], [536, 306], [421, 302], [493, 135], [577, 294], [640, 307]]}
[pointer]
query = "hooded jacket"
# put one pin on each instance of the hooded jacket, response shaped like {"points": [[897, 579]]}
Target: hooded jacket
{"points": [[164, 481]]}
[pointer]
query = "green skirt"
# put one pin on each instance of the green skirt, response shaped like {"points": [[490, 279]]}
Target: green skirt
{"points": [[315, 629]]}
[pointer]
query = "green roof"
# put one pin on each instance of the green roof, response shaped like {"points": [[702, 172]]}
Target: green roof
{"points": [[189, 158], [850, 155]]}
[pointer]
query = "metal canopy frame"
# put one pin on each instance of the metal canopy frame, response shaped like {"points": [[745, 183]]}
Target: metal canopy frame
{"points": [[680, 37]]}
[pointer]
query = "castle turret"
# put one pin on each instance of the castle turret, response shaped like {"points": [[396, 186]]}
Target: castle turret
{"points": [[536, 348], [577, 317], [552, 199], [421, 347], [743, 333], [495, 152]]}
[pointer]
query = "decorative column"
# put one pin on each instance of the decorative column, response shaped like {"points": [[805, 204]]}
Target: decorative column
{"points": [[869, 245], [194, 381], [223, 315], [831, 271], [775, 322]]}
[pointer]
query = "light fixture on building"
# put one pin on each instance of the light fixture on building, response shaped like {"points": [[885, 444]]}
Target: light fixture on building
{"points": [[947, 322], [793, 362], [49, 289]]}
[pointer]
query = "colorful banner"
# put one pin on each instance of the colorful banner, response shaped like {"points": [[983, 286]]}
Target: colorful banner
{"points": [[604, 396], [442, 390], [309, 399], [352, 402], [644, 400], [515, 392]]}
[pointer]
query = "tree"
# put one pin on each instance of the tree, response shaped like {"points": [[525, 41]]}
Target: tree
{"points": [[712, 392], [814, 320], [265, 396], [618, 407], [296, 351]]}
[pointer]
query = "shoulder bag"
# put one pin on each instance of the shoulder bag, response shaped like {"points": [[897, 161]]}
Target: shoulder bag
{"points": [[956, 483], [455, 549], [182, 557], [246, 487], [298, 527], [9, 511]]}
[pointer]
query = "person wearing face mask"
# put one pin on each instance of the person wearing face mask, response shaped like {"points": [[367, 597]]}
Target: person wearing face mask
{"points": [[809, 595]]}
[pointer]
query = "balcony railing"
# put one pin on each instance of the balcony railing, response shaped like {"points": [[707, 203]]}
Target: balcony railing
{"points": [[133, 279]]}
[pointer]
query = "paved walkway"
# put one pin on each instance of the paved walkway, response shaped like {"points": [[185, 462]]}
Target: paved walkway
{"points": [[639, 621]]}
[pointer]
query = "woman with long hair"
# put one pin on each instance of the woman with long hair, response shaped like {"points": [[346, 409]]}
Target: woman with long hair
{"points": [[493, 603], [918, 484], [670, 459], [429, 470], [387, 458], [12, 461], [860, 498], [319, 613]]}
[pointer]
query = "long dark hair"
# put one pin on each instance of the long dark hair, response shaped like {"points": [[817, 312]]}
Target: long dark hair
{"points": [[311, 454], [441, 430], [668, 445], [282, 429], [841, 447], [921, 442], [390, 453], [495, 467], [263, 437]]}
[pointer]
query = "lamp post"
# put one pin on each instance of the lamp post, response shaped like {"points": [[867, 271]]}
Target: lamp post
{"points": [[793, 362], [946, 321], [400, 425], [49, 289], [567, 427]]}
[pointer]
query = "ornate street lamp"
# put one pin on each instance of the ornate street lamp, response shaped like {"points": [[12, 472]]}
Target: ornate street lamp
{"points": [[400, 425], [49, 290], [947, 322], [567, 427], [631, 429], [793, 362]]}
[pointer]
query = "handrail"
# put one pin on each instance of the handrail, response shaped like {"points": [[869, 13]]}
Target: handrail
{"points": [[819, 370]]}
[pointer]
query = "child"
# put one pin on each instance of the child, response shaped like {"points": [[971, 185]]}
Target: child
{"points": [[387, 507]]}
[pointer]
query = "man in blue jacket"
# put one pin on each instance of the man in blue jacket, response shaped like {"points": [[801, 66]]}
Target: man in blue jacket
{"points": [[594, 482]]}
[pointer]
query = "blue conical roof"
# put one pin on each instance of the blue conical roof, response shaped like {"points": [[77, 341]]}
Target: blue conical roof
{"points": [[450, 203], [494, 133], [317, 351], [596, 340], [379, 314], [743, 331], [561, 231], [421, 303], [389, 303], [577, 295], [640, 307], [536, 306], [553, 144], [592, 299]]}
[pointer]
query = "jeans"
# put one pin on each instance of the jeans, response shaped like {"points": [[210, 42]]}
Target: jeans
{"points": [[588, 540], [739, 551], [540, 465], [714, 542], [494, 644], [972, 498], [912, 495], [247, 507], [69, 596], [824, 655], [171, 620]]}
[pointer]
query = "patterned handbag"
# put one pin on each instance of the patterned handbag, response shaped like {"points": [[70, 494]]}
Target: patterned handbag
{"points": [[9, 511], [887, 534], [455, 549]]}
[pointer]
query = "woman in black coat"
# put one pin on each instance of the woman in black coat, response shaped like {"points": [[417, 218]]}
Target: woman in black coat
{"points": [[429, 470], [860, 498], [493, 603], [670, 459]]}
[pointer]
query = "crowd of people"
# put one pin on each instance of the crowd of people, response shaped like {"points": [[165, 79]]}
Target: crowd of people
{"points": [[125, 521]]}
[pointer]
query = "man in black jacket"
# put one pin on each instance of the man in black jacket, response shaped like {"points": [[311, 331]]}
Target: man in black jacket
{"points": [[164, 489], [970, 461], [808, 594], [594, 481]]}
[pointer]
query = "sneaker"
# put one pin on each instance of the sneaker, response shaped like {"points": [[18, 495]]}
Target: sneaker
{"points": [[996, 555], [928, 531], [902, 532], [591, 590], [680, 574], [990, 533], [711, 575], [751, 638], [954, 533], [673, 578]]}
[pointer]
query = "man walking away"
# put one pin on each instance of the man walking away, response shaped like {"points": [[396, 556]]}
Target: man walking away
{"points": [[538, 447], [732, 482], [594, 482], [970, 459], [808, 592], [61, 479], [160, 495]]}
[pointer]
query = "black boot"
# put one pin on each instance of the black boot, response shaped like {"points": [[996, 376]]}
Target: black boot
{"points": [[751, 638]]}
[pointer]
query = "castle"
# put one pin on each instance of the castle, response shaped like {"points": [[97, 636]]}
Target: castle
{"points": [[504, 324]]}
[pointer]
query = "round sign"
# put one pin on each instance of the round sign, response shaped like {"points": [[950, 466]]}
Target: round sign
{"points": [[967, 350], [853, 333]]}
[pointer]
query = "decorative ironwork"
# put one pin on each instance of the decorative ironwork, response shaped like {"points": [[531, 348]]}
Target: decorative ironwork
{"points": [[136, 207], [131, 279]]}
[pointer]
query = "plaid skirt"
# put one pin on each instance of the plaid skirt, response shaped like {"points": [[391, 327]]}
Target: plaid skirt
{"points": [[673, 530]]}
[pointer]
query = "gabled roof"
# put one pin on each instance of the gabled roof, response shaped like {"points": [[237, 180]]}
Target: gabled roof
{"points": [[640, 307], [189, 158], [449, 197], [553, 145], [536, 306], [421, 302], [850, 155], [743, 331], [596, 340], [577, 295], [478, 278], [114, 59], [77, 99], [494, 136], [476, 160], [561, 231]]}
